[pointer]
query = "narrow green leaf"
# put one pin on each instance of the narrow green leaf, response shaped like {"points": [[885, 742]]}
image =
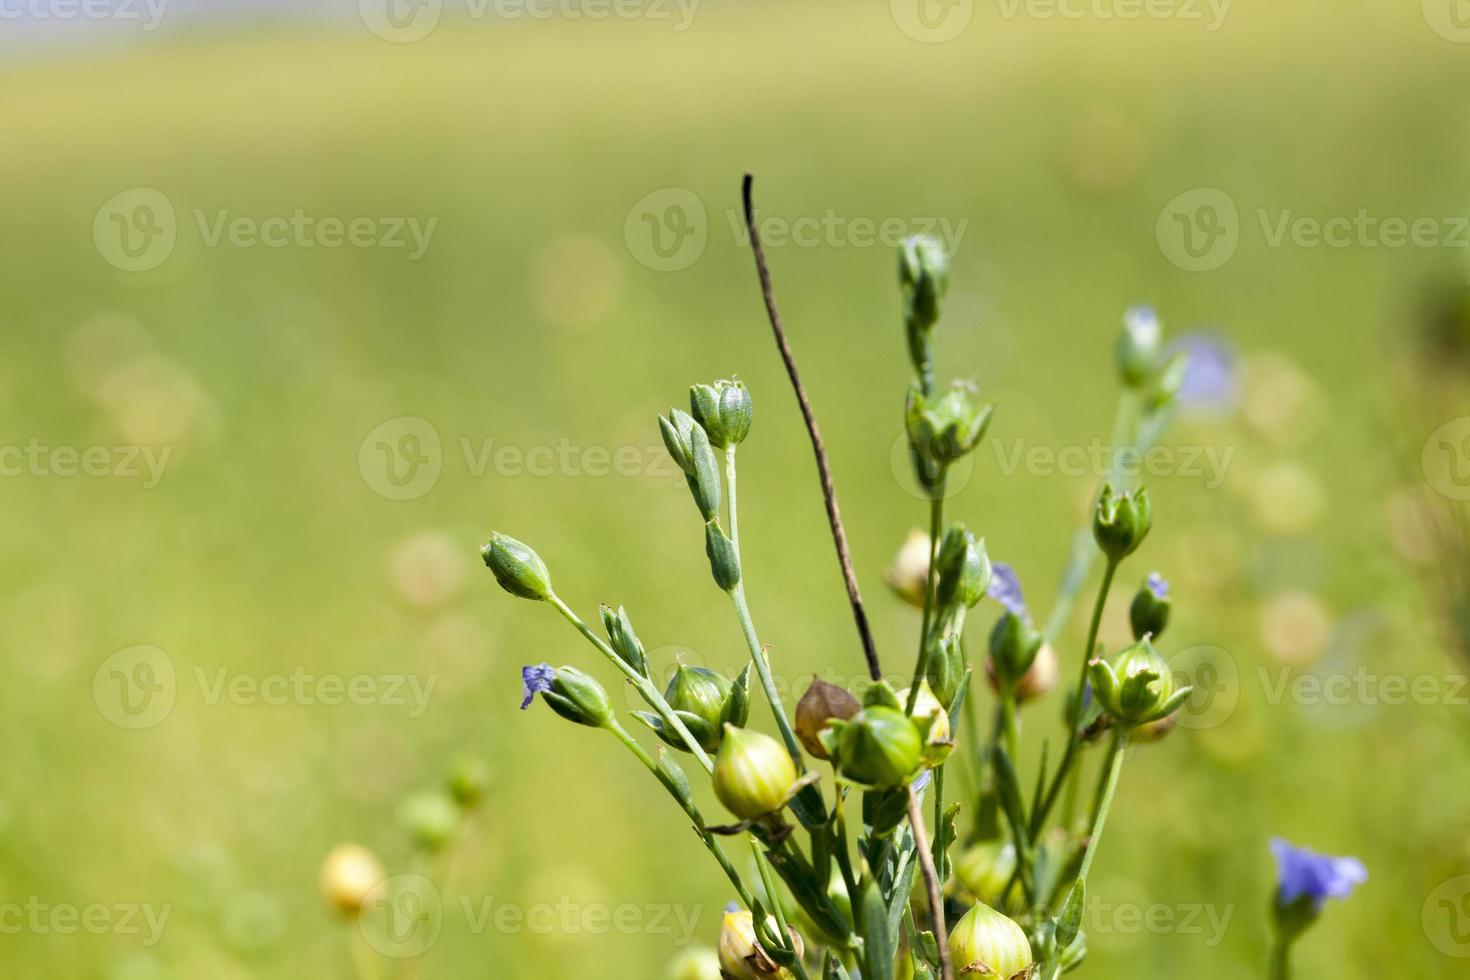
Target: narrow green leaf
{"points": [[879, 949]]}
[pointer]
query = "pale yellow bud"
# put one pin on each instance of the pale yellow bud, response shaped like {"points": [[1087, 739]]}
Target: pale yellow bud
{"points": [[349, 873]]}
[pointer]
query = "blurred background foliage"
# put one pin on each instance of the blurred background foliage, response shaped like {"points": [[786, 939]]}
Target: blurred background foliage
{"points": [[529, 321]]}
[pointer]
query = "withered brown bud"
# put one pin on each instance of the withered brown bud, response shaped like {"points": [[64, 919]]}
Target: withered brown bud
{"points": [[821, 703]]}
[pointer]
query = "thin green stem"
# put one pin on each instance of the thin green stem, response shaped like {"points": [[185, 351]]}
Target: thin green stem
{"points": [[644, 686], [747, 626], [941, 862], [768, 879], [1075, 709], [364, 962], [921, 667], [1280, 968], [1116, 756], [690, 809], [1066, 771]]}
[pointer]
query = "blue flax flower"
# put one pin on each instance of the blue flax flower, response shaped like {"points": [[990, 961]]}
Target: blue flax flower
{"points": [[1158, 585], [1300, 871], [1005, 588], [534, 680], [1211, 381]]}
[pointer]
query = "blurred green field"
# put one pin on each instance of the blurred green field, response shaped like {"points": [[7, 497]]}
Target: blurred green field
{"points": [[529, 321]]}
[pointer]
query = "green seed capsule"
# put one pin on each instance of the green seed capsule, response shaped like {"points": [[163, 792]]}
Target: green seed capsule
{"points": [[1137, 686], [741, 956], [705, 701], [518, 569], [754, 775], [431, 818], [964, 568], [987, 944], [880, 747], [724, 409], [1121, 522]]}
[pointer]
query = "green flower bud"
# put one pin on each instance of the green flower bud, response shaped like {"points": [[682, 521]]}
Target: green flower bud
{"points": [[1122, 522], [933, 723], [946, 669], [724, 410], [724, 563], [468, 781], [987, 944], [754, 775], [948, 427], [923, 275], [432, 819], [1170, 379], [880, 747], [986, 870], [741, 954], [518, 569], [676, 430], [704, 482], [964, 568], [704, 701], [1138, 346], [348, 876], [622, 639], [695, 964], [570, 693], [1149, 612], [1137, 687], [908, 576], [822, 703], [1014, 646]]}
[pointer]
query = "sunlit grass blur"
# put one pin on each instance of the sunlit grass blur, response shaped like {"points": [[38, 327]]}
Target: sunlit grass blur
{"points": [[530, 336]]}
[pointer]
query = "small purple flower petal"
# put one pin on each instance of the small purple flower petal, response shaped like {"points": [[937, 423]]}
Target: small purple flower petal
{"points": [[1300, 871], [731, 908], [534, 680], [1005, 588], [1211, 381], [1158, 585], [922, 783]]}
